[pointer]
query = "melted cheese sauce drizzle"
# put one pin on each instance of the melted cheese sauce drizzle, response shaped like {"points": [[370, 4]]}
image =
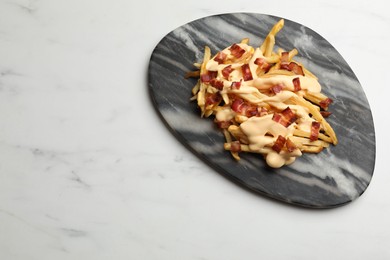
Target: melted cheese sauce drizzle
{"points": [[262, 132], [307, 83]]}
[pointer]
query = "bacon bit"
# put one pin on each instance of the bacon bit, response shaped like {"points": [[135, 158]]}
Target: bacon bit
{"points": [[315, 130], [285, 118], [235, 146], [213, 74], [236, 84], [289, 115], [284, 57], [212, 99], [259, 61], [325, 103], [246, 72], [223, 124], [287, 112], [279, 143], [290, 145], [207, 77], [276, 89], [236, 51], [262, 64], [292, 66], [325, 113], [226, 71], [239, 106], [277, 117], [296, 68], [252, 111], [218, 84], [220, 57], [284, 66], [297, 84]]}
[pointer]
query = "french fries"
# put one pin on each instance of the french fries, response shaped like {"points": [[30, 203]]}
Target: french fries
{"points": [[263, 100]]}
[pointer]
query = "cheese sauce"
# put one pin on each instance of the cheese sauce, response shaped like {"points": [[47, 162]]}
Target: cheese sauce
{"points": [[263, 132], [224, 115], [307, 83]]}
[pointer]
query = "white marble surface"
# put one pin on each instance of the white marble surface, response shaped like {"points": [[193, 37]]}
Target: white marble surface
{"points": [[88, 170]]}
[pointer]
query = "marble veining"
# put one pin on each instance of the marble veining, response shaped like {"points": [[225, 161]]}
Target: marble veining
{"points": [[332, 178], [89, 171]]}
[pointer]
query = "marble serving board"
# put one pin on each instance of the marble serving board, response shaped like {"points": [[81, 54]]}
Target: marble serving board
{"points": [[336, 176]]}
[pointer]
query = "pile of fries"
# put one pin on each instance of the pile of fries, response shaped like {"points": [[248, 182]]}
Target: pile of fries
{"points": [[264, 101]]}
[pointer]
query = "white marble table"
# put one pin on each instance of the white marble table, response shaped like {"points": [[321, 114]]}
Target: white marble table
{"points": [[89, 171]]}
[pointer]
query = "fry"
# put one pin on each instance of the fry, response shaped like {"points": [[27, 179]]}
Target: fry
{"points": [[245, 148], [245, 40], [238, 134], [269, 42], [323, 137]]}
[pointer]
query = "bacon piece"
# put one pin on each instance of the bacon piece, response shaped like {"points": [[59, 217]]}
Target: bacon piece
{"points": [[239, 106], [220, 57], [290, 145], [297, 84], [276, 89], [246, 72], [325, 103], [279, 143], [285, 118], [213, 74], [226, 71], [218, 84], [277, 117], [284, 66], [212, 99], [236, 50], [325, 113], [289, 115], [262, 64], [292, 66], [235, 146], [315, 130], [252, 111], [236, 84], [284, 61], [208, 76], [243, 108], [259, 61], [205, 78]]}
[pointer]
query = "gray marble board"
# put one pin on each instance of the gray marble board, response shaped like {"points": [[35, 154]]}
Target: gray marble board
{"points": [[335, 177]]}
